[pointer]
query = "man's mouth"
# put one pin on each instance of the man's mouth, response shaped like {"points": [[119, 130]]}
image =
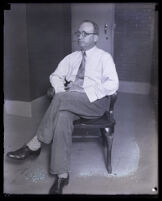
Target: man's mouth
{"points": [[80, 41]]}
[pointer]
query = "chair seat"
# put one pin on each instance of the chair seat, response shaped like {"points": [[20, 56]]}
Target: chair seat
{"points": [[103, 122]]}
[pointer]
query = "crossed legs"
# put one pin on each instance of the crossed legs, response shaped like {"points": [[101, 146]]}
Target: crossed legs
{"points": [[56, 128]]}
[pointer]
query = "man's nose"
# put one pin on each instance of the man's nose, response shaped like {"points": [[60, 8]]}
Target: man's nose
{"points": [[80, 36]]}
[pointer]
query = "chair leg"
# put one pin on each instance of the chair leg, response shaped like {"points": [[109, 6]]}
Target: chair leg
{"points": [[108, 133], [103, 136]]}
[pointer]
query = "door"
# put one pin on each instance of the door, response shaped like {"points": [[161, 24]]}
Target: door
{"points": [[102, 14]]}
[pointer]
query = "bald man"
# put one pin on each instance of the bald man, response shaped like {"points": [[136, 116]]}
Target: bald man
{"points": [[91, 76]]}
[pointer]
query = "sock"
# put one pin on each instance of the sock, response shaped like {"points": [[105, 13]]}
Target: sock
{"points": [[34, 144], [63, 175]]}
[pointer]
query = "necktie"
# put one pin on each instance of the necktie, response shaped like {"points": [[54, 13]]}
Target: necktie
{"points": [[77, 85], [80, 74]]}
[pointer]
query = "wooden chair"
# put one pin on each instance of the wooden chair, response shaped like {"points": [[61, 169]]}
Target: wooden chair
{"points": [[106, 124]]}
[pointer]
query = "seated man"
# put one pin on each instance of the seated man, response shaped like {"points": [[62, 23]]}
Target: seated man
{"points": [[92, 76]]}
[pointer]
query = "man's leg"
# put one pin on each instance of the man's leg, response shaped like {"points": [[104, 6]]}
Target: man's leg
{"points": [[44, 132], [62, 142], [79, 104], [46, 128], [72, 107], [61, 150]]}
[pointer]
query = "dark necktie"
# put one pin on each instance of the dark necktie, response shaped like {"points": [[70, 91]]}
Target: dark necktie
{"points": [[80, 74]]}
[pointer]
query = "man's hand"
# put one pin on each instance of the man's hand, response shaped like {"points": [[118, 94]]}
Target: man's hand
{"points": [[51, 92], [68, 86]]}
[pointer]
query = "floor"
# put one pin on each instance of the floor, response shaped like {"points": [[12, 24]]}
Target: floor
{"points": [[134, 155]]}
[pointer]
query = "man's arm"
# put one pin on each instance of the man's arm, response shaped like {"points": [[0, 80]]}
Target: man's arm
{"points": [[57, 78], [110, 81]]}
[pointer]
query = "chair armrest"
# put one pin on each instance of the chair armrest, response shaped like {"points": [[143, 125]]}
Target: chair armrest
{"points": [[113, 99], [50, 92]]}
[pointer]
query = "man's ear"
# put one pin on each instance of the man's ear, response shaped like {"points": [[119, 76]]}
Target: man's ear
{"points": [[95, 38]]}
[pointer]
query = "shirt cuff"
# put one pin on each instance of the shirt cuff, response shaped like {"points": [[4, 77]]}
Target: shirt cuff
{"points": [[59, 89]]}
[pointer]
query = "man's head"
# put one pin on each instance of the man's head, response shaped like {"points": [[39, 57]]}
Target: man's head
{"points": [[87, 34]]}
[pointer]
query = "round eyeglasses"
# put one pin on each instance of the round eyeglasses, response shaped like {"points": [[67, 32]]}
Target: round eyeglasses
{"points": [[83, 34]]}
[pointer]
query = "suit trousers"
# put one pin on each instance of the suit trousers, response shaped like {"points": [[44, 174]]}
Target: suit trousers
{"points": [[56, 126]]}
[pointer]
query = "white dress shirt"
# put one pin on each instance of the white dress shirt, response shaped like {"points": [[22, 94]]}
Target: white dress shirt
{"points": [[100, 78]]}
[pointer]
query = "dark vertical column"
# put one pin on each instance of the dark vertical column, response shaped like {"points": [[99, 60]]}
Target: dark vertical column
{"points": [[48, 42], [16, 62]]}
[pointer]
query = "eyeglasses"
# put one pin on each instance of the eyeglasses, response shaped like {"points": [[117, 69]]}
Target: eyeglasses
{"points": [[83, 34]]}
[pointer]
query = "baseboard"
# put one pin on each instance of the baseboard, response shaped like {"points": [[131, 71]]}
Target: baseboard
{"points": [[154, 94], [134, 87], [20, 108], [26, 109]]}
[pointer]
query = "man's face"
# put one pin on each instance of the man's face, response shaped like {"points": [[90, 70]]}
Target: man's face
{"points": [[88, 41]]}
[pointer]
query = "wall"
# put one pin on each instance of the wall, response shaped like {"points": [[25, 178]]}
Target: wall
{"points": [[134, 41], [36, 38], [100, 13], [48, 28], [16, 61]]}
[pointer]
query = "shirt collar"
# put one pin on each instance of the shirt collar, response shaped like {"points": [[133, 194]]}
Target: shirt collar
{"points": [[90, 51]]}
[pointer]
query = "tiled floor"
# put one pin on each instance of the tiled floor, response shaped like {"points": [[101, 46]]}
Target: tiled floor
{"points": [[134, 155]]}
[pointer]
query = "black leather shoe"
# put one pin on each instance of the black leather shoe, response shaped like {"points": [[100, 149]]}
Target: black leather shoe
{"points": [[23, 153], [59, 183]]}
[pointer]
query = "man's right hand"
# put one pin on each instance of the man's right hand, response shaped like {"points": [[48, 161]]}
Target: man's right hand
{"points": [[50, 92], [67, 84]]}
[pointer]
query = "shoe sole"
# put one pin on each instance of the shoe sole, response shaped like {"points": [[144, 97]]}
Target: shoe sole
{"points": [[32, 156]]}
